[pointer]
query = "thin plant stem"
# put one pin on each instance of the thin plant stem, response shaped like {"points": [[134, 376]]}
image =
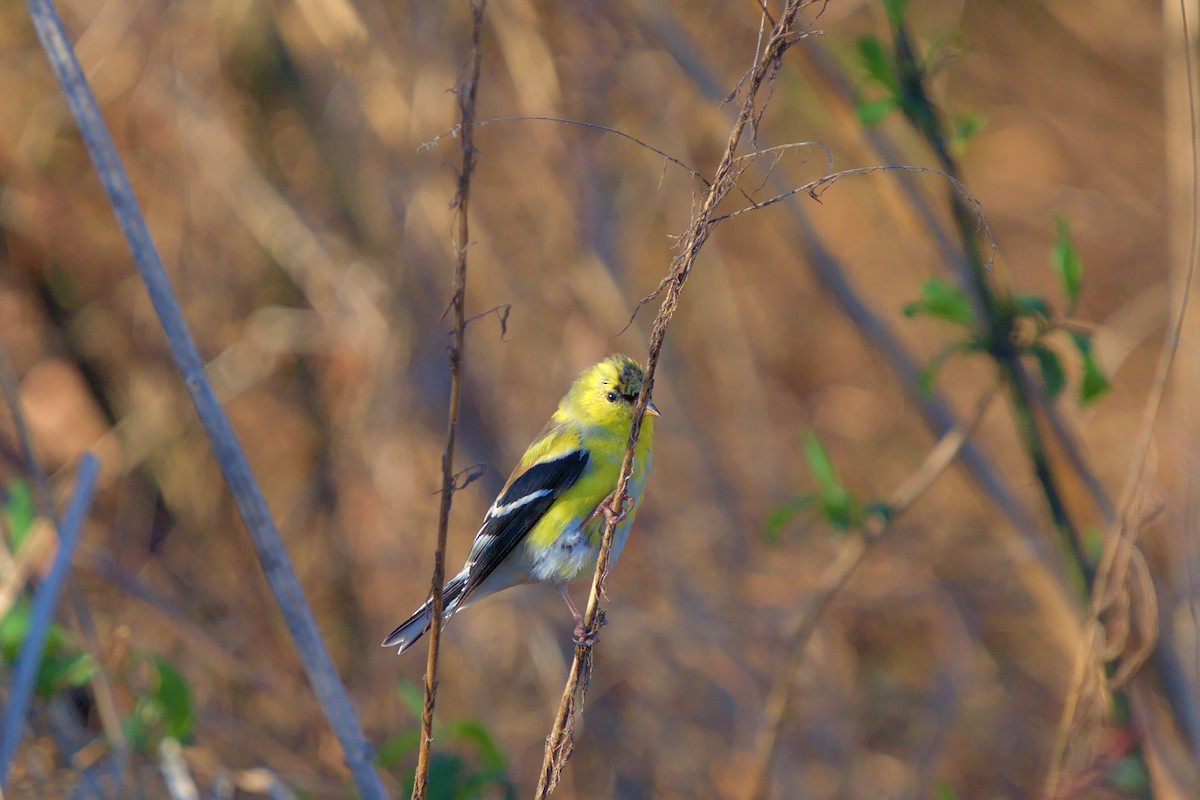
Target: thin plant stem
{"points": [[467, 90], [768, 59]]}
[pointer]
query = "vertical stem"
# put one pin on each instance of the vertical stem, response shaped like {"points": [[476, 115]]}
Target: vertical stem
{"points": [[560, 742], [467, 90]]}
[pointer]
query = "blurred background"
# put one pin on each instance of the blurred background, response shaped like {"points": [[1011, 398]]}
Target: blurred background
{"points": [[292, 162]]}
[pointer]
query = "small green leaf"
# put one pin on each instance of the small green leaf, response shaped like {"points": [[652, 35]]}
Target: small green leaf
{"points": [[175, 698], [877, 63], [839, 506], [895, 10], [1094, 383], [59, 670], [20, 512], [1067, 263], [872, 112], [1054, 377], [780, 517], [820, 465], [942, 300]]}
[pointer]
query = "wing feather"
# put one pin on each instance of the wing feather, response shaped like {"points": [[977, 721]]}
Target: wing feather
{"points": [[523, 502]]}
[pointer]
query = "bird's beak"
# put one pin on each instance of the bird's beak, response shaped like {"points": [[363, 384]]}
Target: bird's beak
{"points": [[652, 409]]}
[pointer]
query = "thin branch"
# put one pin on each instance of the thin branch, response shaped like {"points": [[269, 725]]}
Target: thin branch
{"points": [[227, 449], [560, 742], [835, 578], [45, 600], [458, 129], [467, 90], [829, 272]]}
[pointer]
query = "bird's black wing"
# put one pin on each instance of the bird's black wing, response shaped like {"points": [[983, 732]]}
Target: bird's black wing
{"points": [[517, 510]]}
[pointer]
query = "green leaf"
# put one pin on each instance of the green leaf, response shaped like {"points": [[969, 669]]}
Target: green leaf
{"points": [[878, 63], [895, 10], [1094, 383], [1054, 377], [20, 512], [840, 507], [174, 697], [780, 517], [1067, 263], [942, 300], [820, 465], [872, 112], [59, 670]]}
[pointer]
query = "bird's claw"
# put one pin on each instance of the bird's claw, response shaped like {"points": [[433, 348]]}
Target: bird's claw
{"points": [[585, 638], [615, 517]]}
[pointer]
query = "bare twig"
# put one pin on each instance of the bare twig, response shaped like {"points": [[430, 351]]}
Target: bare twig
{"points": [[1122, 567], [466, 91], [835, 578], [227, 449], [45, 600], [560, 742], [458, 129], [831, 274]]}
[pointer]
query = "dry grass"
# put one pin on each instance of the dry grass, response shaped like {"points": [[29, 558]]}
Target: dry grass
{"points": [[276, 150]]}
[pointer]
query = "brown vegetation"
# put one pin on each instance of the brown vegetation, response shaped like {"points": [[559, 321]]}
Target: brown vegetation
{"points": [[288, 159]]}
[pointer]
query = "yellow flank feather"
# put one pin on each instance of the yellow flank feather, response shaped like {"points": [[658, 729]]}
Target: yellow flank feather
{"points": [[547, 521]]}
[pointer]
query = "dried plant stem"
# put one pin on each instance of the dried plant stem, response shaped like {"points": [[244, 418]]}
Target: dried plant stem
{"points": [[227, 449], [1120, 558], [466, 92], [785, 33], [835, 578]]}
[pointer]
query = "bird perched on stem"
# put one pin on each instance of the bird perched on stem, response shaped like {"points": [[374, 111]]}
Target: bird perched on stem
{"points": [[548, 521]]}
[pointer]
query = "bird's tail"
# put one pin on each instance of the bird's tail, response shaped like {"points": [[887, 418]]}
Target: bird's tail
{"points": [[415, 626]]}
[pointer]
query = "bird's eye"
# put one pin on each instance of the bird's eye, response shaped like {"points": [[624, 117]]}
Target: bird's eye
{"points": [[611, 397]]}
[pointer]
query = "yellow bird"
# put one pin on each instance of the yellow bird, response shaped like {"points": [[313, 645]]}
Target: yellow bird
{"points": [[548, 520]]}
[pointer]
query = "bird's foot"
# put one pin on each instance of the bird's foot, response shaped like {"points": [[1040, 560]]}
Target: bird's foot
{"points": [[585, 638], [605, 510]]}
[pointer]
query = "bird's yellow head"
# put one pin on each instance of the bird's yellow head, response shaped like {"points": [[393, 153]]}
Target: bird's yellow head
{"points": [[606, 395]]}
